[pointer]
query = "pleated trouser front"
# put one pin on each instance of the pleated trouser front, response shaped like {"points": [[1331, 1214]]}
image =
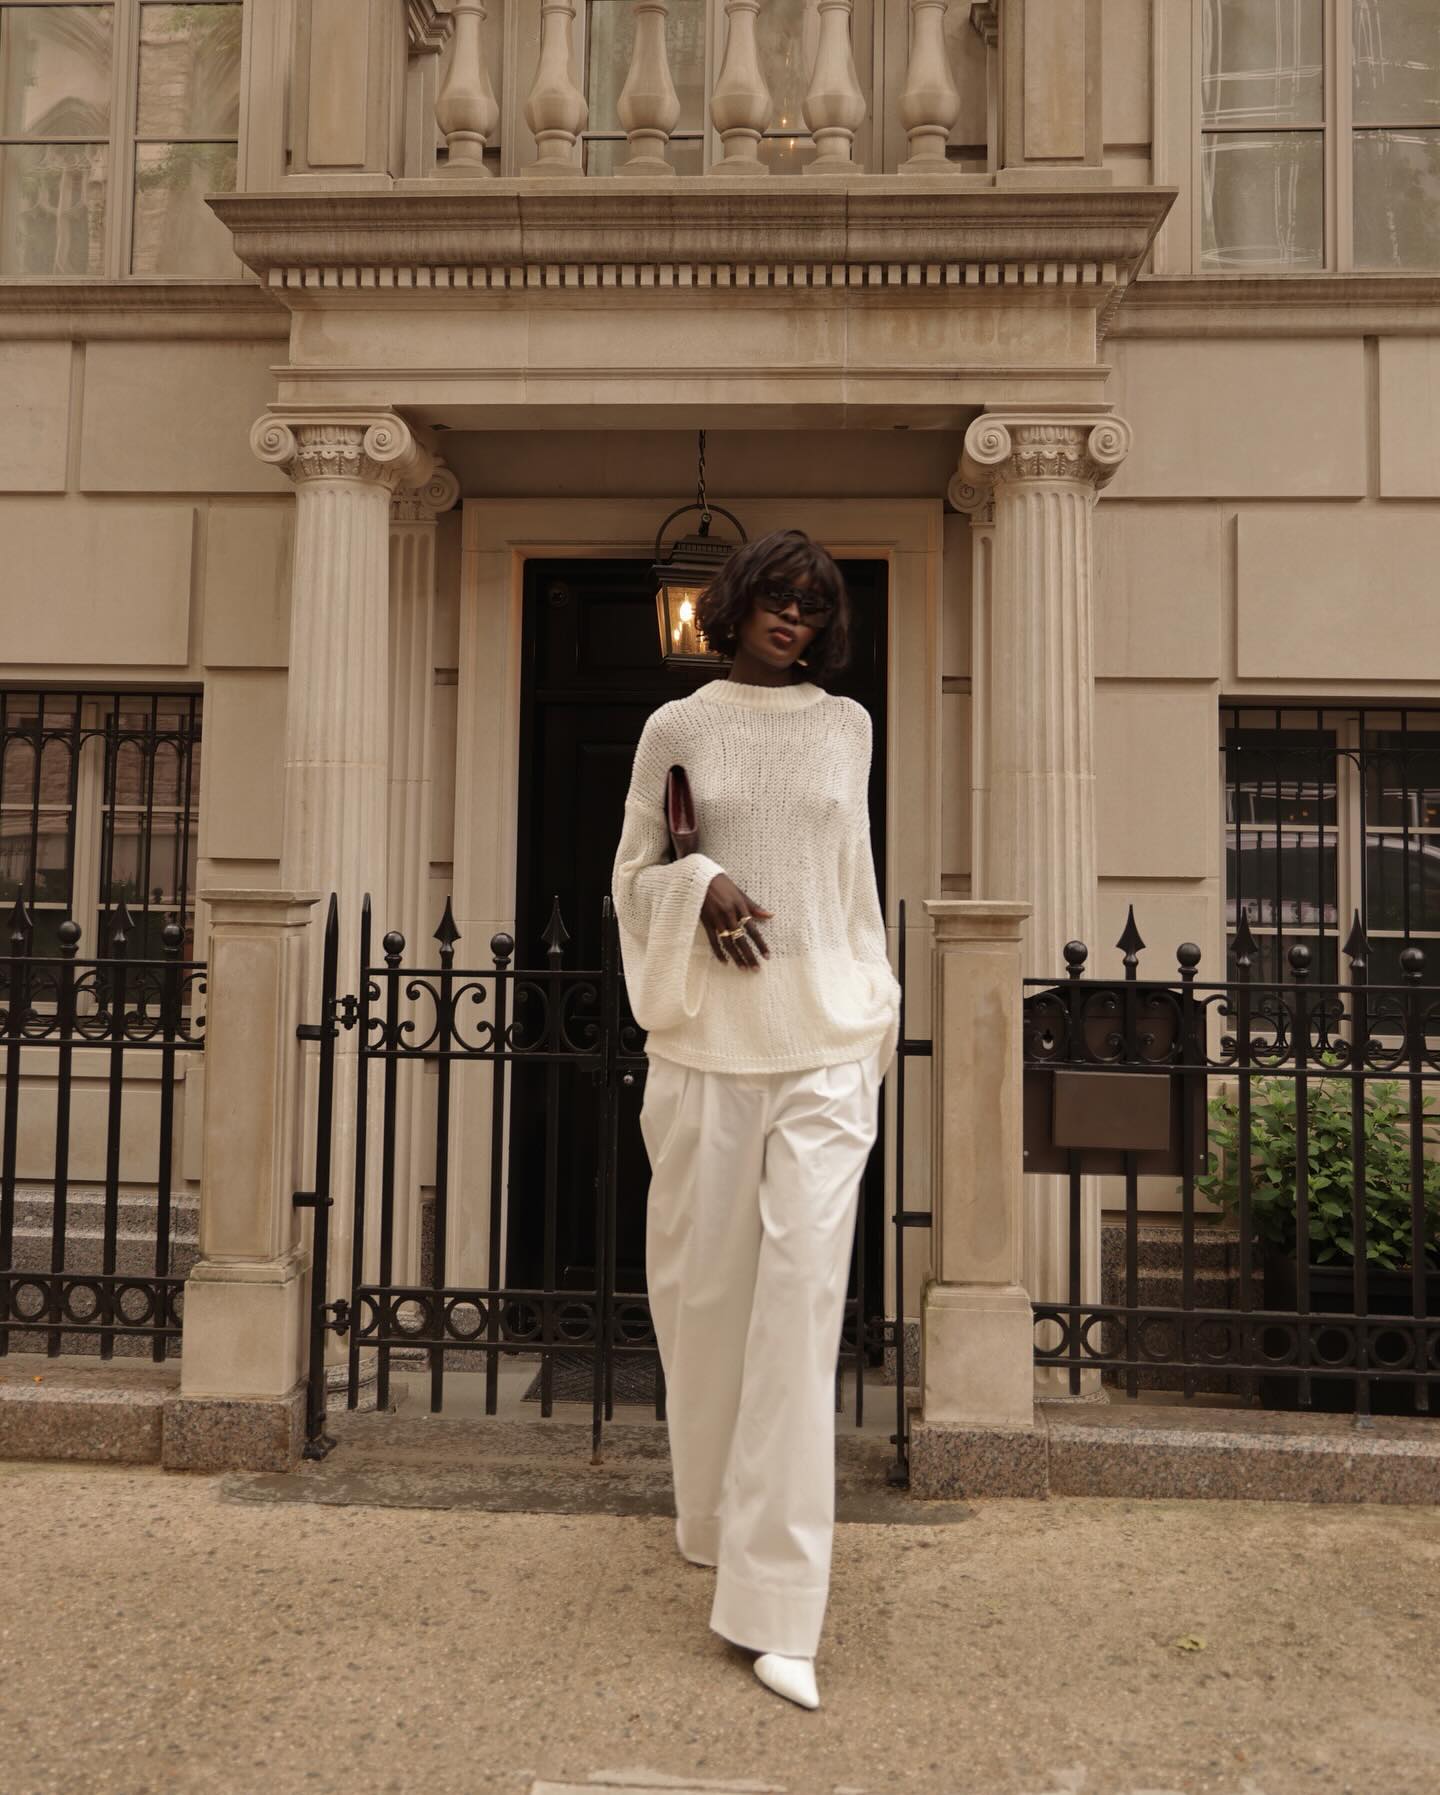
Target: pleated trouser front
{"points": [[755, 1182]]}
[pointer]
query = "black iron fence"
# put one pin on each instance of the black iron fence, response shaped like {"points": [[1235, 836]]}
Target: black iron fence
{"points": [[1295, 1120], [92, 1261], [553, 1061]]}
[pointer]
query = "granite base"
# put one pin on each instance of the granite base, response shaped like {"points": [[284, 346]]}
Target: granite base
{"points": [[225, 1433]]}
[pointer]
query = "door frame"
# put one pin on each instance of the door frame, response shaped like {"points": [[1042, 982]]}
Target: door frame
{"points": [[498, 537]]}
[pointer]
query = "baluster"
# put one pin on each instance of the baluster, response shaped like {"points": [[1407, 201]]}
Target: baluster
{"points": [[465, 107], [740, 105], [834, 107], [649, 107], [930, 103], [556, 111]]}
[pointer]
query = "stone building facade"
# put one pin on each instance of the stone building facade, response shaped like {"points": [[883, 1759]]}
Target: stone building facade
{"points": [[1108, 329]]}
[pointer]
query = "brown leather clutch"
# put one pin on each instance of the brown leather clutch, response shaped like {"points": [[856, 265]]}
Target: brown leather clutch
{"points": [[680, 813]]}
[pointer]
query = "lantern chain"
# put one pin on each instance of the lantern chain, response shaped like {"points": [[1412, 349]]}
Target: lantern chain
{"points": [[700, 495]]}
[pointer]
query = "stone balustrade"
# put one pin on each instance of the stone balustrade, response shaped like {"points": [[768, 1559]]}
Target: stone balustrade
{"points": [[741, 110]]}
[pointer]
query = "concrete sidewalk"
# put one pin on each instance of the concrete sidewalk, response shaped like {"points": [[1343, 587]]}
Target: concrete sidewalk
{"points": [[173, 1633]]}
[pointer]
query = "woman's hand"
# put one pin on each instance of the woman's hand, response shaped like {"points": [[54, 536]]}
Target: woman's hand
{"points": [[725, 903]]}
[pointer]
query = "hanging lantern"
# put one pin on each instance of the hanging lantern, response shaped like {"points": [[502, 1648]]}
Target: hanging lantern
{"points": [[682, 575]]}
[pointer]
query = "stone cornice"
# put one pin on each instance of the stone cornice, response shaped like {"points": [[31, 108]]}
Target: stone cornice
{"points": [[1280, 305], [1082, 444], [79, 310], [1079, 246]]}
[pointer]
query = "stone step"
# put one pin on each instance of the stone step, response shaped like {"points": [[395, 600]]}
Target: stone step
{"points": [[85, 1251], [85, 1207], [98, 1414], [1159, 1246]]}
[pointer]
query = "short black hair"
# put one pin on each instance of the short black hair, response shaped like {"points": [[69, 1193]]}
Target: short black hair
{"points": [[780, 558]]}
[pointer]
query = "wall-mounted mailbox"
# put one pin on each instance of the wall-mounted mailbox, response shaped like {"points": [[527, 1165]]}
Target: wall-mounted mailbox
{"points": [[1102, 1116], [1099, 1113]]}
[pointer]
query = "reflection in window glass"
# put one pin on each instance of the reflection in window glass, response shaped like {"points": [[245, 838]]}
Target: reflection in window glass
{"points": [[189, 71], [1403, 882], [55, 71], [1261, 62], [175, 231], [610, 42], [1396, 76], [1262, 201], [1397, 199], [787, 32], [605, 154], [52, 208]]}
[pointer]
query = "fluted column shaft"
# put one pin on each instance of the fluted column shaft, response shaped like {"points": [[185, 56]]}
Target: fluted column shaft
{"points": [[346, 466], [1041, 470], [412, 686]]}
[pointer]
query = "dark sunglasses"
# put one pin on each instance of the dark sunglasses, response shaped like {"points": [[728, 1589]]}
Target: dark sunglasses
{"points": [[810, 604]]}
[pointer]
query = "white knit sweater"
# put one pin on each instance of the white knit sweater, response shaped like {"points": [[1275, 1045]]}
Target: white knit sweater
{"points": [[779, 775]]}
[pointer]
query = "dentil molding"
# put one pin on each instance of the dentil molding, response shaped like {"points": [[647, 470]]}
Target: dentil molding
{"points": [[1083, 447]]}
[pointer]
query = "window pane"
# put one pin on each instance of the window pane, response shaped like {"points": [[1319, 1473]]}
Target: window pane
{"points": [[55, 71], [604, 156], [1262, 203], [49, 868], [1397, 199], [189, 71], [1261, 62], [175, 231], [787, 155], [787, 32], [610, 43], [1397, 61], [1400, 875], [1402, 778], [52, 208]]}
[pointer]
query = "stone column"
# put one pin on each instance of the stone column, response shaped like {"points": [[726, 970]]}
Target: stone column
{"points": [[1040, 468], [412, 686], [242, 1397], [976, 1342], [347, 466]]}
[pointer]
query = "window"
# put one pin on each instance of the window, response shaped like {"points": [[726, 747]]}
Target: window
{"points": [[1320, 141], [117, 117], [1329, 813], [99, 798]]}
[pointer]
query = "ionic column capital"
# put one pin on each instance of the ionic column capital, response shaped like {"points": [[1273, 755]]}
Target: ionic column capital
{"points": [[1083, 446], [424, 502], [377, 448]]}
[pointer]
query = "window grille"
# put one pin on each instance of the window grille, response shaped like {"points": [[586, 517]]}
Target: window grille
{"points": [[1330, 812], [99, 800]]}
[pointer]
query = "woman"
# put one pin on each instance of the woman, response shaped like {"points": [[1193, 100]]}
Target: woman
{"points": [[758, 966]]}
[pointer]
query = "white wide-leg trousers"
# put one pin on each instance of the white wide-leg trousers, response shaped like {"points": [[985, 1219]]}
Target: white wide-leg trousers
{"points": [[754, 1187]]}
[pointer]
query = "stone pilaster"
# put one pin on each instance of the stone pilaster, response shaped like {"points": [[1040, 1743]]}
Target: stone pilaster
{"points": [[413, 515], [241, 1402], [976, 1340], [347, 466], [1040, 470]]}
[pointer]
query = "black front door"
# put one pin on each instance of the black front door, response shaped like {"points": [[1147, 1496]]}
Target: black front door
{"points": [[592, 675]]}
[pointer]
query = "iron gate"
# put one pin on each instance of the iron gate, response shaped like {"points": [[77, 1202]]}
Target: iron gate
{"points": [[559, 1024]]}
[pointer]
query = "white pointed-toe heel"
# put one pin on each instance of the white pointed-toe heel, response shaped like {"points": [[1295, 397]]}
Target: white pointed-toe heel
{"points": [[794, 1678]]}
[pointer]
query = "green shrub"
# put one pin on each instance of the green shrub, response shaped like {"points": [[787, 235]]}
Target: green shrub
{"points": [[1274, 1157]]}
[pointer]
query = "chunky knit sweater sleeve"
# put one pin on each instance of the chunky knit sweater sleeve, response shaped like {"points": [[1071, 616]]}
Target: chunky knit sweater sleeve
{"points": [[780, 777], [657, 900]]}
